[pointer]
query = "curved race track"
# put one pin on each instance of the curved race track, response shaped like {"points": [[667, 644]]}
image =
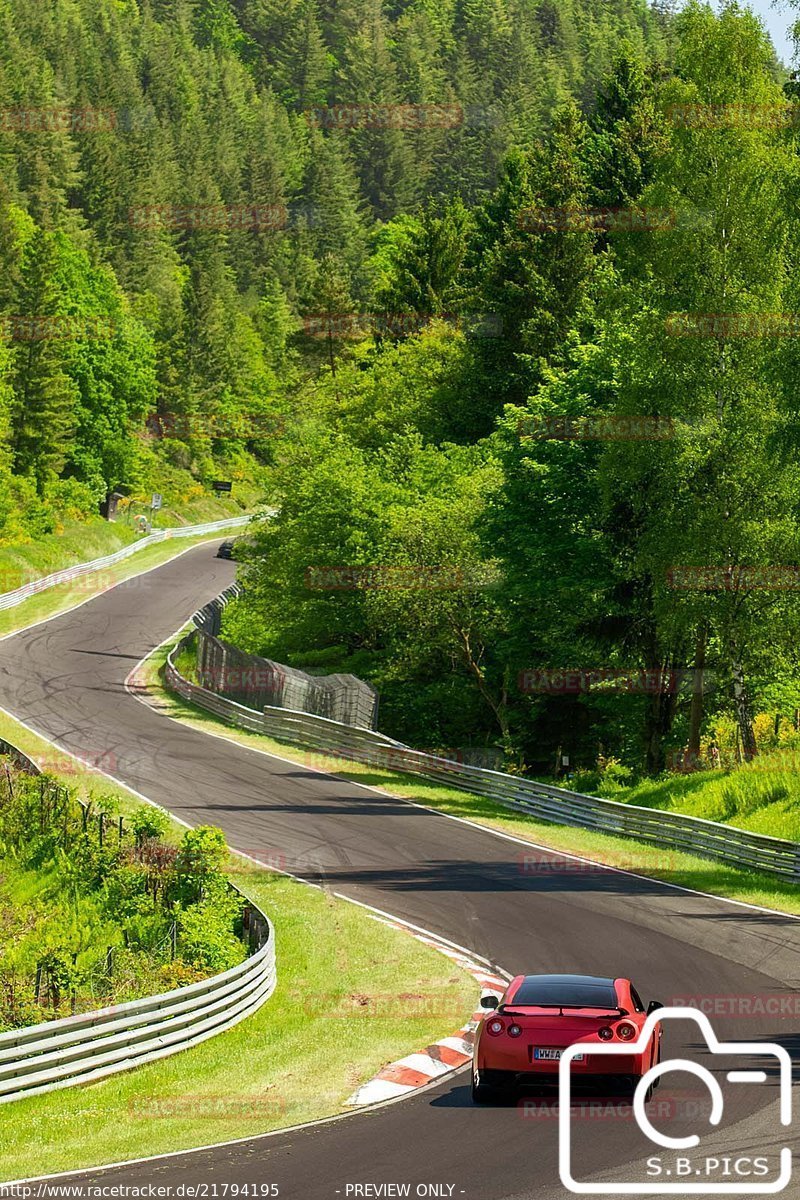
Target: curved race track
{"points": [[66, 679]]}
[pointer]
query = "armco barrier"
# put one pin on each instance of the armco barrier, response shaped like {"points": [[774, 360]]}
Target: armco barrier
{"points": [[11, 599], [57, 1054], [706, 839], [90, 1046], [20, 760]]}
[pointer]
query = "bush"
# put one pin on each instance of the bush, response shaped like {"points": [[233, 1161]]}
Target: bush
{"points": [[127, 893], [148, 822], [206, 937], [67, 904], [614, 775], [201, 859], [587, 782]]}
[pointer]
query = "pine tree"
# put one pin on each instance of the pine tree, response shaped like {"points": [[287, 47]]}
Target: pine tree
{"points": [[626, 134], [45, 397]]}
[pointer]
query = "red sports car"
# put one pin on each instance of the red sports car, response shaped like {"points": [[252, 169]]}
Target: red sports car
{"points": [[519, 1043]]}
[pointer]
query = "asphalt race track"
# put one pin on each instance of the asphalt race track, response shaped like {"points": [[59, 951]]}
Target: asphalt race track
{"points": [[66, 678]]}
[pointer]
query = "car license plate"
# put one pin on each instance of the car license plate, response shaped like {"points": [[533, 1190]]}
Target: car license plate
{"points": [[551, 1054]]}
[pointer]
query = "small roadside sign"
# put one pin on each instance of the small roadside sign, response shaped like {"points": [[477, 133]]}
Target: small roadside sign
{"points": [[222, 485], [157, 501]]}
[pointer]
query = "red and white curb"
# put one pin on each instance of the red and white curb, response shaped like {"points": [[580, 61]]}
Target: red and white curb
{"points": [[442, 1057]]}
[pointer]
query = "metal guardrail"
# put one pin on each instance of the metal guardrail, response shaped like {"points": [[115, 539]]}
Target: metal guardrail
{"points": [[57, 1054], [93, 1045], [11, 599], [20, 760], [674, 831], [208, 618]]}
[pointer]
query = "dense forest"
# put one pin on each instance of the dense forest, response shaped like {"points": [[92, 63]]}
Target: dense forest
{"points": [[564, 522], [173, 200], [496, 298]]}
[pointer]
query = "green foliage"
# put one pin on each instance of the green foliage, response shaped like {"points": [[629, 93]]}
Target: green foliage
{"points": [[762, 796], [148, 822], [93, 922], [200, 862], [207, 940], [431, 447], [215, 108]]}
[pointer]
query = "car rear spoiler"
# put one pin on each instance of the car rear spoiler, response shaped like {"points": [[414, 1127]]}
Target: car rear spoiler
{"points": [[511, 1010]]}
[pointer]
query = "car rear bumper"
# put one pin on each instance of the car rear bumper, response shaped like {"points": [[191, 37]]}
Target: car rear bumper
{"points": [[587, 1081]]}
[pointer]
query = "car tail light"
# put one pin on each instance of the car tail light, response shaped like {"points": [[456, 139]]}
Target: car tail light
{"points": [[495, 1026], [514, 1030], [626, 1031], [605, 1034]]}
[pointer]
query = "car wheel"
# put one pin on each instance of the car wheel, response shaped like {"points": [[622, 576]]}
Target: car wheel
{"points": [[637, 1079], [481, 1094]]}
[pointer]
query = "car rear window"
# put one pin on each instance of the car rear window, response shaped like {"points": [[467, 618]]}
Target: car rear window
{"points": [[576, 994]]}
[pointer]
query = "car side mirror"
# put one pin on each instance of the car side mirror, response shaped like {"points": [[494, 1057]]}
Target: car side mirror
{"points": [[654, 1006], [489, 1002]]}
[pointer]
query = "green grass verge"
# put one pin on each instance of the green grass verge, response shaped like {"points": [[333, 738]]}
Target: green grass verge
{"points": [[671, 866], [67, 595], [762, 796], [353, 994], [79, 541]]}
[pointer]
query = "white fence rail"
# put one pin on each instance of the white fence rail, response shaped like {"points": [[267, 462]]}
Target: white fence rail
{"points": [[11, 599], [57, 1054], [674, 831], [91, 1046]]}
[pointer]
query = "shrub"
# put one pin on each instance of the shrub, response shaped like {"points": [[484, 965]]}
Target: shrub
{"points": [[201, 859], [67, 904], [614, 775], [206, 937], [588, 782], [148, 822]]}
